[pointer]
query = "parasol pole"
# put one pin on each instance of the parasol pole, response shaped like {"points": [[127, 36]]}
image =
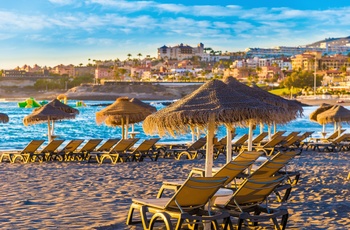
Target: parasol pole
{"points": [[269, 131], [209, 147], [261, 127], [53, 127], [49, 129], [123, 127], [274, 127], [339, 128], [198, 133], [335, 126], [127, 127], [250, 136], [193, 130], [230, 130]]}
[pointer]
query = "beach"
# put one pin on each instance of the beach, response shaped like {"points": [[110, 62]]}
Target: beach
{"points": [[79, 195]]}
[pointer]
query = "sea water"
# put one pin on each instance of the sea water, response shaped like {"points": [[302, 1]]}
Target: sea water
{"points": [[14, 135]]}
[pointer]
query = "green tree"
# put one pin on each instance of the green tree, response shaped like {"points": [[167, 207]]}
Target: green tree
{"points": [[301, 79]]}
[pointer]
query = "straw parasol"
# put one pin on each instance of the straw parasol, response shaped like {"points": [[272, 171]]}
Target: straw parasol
{"points": [[63, 107], [313, 116], [336, 113], [47, 113], [4, 118], [290, 109], [122, 111], [212, 104]]}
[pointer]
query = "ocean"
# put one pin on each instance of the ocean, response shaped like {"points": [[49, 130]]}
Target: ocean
{"points": [[14, 135]]}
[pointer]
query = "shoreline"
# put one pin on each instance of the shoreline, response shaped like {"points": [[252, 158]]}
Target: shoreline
{"points": [[97, 96]]}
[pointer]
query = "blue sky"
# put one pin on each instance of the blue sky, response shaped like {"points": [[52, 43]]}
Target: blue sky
{"points": [[52, 32]]}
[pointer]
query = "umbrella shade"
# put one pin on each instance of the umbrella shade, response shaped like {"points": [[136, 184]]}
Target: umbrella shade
{"points": [[336, 113], [323, 107], [292, 110], [61, 106], [213, 97], [4, 118], [45, 113], [119, 110]]}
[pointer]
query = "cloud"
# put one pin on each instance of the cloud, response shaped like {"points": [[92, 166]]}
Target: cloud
{"points": [[63, 2]]}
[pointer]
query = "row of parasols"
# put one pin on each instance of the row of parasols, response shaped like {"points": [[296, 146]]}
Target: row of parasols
{"points": [[215, 103]]}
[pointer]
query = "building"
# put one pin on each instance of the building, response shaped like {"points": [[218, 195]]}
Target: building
{"points": [[181, 52], [307, 61]]}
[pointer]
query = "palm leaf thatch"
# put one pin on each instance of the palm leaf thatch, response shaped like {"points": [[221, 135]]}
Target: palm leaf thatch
{"points": [[335, 114], [61, 106], [46, 113], [4, 118], [323, 107], [214, 98], [294, 108], [151, 108], [121, 109]]}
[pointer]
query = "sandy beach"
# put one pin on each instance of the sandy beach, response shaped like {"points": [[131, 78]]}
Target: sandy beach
{"points": [[78, 195]]}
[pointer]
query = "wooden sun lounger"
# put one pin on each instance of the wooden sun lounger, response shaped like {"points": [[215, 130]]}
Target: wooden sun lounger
{"points": [[24, 154]]}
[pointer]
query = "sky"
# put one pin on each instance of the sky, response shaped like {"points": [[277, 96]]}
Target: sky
{"points": [[53, 32]]}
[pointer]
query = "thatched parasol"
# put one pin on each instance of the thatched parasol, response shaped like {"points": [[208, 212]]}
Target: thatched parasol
{"points": [[120, 112], [47, 113], [214, 103], [63, 107], [151, 108], [313, 116], [293, 109], [4, 118], [336, 113]]}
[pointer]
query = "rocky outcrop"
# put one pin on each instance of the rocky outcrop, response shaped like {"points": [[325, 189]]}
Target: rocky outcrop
{"points": [[144, 91]]}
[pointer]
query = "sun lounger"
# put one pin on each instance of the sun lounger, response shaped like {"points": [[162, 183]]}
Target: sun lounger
{"points": [[236, 145], [190, 152], [337, 144], [106, 146], [231, 169], [186, 205], [81, 154], [63, 154], [114, 154], [250, 205], [22, 155], [145, 150], [220, 146], [268, 148], [41, 155]]}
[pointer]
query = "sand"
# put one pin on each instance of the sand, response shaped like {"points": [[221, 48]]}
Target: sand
{"points": [[78, 195]]}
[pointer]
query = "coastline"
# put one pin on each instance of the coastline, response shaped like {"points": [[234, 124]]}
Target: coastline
{"points": [[168, 94]]}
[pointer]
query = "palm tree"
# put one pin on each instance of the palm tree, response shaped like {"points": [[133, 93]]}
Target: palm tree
{"points": [[139, 55], [129, 56]]}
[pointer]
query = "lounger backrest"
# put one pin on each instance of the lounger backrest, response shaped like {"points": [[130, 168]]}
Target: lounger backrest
{"points": [[273, 165], [146, 145], [305, 135], [198, 144], [240, 163], [274, 141], [108, 145], [291, 141], [277, 134], [291, 135], [343, 137], [254, 191], [90, 145], [241, 140], [124, 144], [260, 137], [335, 134], [32, 146], [52, 146], [72, 146], [195, 192]]}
